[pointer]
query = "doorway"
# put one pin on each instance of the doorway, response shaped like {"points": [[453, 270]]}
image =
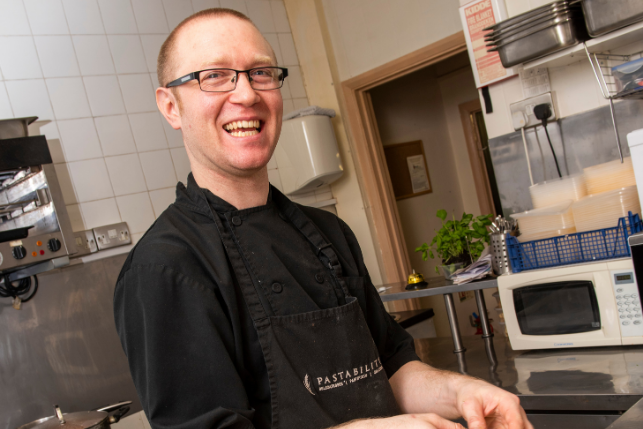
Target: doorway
{"points": [[410, 100]]}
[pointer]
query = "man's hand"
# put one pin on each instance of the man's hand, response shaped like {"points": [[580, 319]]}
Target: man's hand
{"points": [[485, 406], [404, 421], [420, 388]]}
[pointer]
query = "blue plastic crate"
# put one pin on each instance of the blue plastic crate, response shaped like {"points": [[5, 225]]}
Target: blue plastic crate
{"points": [[608, 243]]}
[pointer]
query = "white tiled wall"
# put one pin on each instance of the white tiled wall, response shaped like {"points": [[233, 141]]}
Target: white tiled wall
{"points": [[87, 69]]}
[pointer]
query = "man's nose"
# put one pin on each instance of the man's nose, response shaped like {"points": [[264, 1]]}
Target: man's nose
{"points": [[244, 93]]}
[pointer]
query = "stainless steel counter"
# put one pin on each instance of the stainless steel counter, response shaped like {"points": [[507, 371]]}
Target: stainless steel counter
{"points": [[632, 419], [584, 387]]}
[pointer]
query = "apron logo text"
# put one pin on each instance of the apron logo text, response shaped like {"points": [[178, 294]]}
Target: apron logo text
{"points": [[345, 377]]}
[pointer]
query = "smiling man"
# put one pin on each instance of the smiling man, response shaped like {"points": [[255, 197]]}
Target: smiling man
{"points": [[241, 309]]}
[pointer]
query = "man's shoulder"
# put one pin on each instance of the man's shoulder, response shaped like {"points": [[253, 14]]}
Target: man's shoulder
{"points": [[171, 242], [322, 218]]}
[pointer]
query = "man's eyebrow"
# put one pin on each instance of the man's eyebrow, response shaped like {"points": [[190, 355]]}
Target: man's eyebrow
{"points": [[218, 62]]}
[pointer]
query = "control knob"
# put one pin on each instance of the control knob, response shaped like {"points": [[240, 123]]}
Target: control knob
{"points": [[19, 252], [53, 244]]}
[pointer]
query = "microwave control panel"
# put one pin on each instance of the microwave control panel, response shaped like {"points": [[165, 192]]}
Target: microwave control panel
{"points": [[628, 303]]}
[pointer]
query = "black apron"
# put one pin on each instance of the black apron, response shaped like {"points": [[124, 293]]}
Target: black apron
{"points": [[323, 366]]}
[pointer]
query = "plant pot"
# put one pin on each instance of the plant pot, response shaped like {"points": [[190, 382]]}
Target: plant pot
{"points": [[448, 270]]}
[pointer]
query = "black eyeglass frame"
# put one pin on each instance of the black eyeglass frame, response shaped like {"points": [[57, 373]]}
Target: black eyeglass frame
{"points": [[195, 75]]}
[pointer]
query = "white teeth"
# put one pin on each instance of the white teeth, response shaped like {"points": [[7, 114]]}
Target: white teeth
{"points": [[242, 124], [244, 133]]}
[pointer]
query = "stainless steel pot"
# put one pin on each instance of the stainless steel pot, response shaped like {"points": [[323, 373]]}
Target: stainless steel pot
{"points": [[98, 419]]}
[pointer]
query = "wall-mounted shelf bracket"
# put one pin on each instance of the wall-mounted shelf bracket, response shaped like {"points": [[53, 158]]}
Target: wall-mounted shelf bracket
{"points": [[602, 67]]}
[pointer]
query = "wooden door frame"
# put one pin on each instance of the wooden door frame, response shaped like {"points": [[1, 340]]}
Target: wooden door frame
{"points": [[476, 156], [368, 151]]}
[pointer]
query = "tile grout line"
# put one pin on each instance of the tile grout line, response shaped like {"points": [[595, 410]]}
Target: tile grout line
{"points": [[55, 119], [123, 96]]}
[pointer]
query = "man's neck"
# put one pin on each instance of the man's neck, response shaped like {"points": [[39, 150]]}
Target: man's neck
{"points": [[241, 192]]}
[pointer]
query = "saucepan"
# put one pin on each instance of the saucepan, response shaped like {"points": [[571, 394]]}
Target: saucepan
{"points": [[98, 419]]}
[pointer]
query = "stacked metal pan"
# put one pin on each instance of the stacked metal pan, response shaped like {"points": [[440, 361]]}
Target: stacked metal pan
{"points": [[603, 16], [537, 33]]}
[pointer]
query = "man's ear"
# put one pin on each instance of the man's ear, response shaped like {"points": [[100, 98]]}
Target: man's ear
{"points": [[169, 106]]}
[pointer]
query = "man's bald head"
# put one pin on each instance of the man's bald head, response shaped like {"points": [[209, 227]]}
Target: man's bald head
{"points": [[165, 66]]}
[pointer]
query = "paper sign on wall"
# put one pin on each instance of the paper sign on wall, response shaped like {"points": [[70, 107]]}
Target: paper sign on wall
{"points": [[475, 16], [419, 178]]}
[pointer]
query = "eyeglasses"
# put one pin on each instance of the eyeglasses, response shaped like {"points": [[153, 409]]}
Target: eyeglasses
{"points": [[225, 80]]}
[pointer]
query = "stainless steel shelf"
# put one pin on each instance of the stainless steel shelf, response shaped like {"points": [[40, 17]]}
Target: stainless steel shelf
{"points": [[436, 286]]}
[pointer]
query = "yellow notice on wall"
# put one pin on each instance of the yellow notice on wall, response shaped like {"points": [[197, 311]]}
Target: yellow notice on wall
{"points": [[476, 16]]}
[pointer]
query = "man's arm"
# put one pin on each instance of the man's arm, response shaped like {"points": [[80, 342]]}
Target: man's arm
{"points": [[425, 393], [428, 397], [179, 345], [420, 388]]}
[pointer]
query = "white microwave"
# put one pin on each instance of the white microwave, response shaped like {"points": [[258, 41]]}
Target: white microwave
{"points": [[583, 305]]}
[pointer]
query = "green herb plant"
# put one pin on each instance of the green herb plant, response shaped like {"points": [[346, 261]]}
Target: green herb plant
{"points": [[458, 240]]}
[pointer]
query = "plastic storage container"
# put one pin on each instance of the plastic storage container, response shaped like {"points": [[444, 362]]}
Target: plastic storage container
{"points": [[602, 210], [546, 222], [629, 79], [635, 142], [556, 191], [609, 176]]}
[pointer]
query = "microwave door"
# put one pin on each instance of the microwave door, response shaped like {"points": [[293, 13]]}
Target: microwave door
{"points": [[557, 308], [636, 243]]}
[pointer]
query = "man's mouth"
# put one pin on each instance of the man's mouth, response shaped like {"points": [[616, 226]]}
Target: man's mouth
{"points": [[243, 128]]}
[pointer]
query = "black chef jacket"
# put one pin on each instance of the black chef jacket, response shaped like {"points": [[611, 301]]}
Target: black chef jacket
{"points": [[192, 348]]}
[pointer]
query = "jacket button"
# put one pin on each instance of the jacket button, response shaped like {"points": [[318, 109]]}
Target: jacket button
{"points": [[319, 278], [236, 221], [277, 287]]}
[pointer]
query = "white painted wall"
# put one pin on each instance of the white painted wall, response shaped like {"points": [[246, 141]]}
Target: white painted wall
{"points": [[87, 69], [369, 33], [457, 88]]}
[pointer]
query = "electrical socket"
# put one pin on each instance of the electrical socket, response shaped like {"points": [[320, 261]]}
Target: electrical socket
{"points": [[85, 243], [109, 236], [526, 108]]}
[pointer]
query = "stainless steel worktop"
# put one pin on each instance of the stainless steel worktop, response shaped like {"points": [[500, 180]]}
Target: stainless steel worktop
{"points": [[584, 387], [632, 419]]}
